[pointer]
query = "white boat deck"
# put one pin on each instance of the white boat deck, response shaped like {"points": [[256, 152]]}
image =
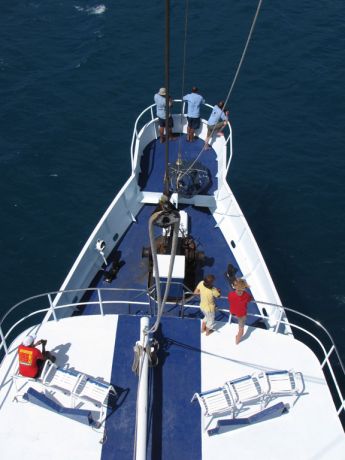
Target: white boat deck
{"points": [[29, 431], [310, 430]]}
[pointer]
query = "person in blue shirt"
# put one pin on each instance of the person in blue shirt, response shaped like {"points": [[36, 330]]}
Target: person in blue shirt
{"points": [[217, 122], [193, 114], [160, 100]]}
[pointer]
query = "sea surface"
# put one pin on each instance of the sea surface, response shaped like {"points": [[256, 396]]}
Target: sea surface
{"points": [[74, 75]]}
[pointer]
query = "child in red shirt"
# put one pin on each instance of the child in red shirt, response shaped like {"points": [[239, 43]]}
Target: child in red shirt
{"points": [[238, 300]]}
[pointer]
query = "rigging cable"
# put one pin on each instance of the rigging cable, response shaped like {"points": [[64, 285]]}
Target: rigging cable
{"points": [[234, 79], [244, 52], [179, 156], [167, 95], [154, 217]]}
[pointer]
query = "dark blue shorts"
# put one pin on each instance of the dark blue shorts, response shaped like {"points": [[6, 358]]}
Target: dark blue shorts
{"points": [[193, 123], [161, 122]]}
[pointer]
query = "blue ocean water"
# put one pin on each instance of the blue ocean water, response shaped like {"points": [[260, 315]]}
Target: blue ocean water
{"points": [[74, 75]]}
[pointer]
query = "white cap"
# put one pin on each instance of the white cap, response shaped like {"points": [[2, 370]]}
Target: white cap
{"points": [[28, 341]]}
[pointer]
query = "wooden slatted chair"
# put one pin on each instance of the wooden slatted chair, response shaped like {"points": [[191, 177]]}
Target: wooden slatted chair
{"points": [[215, 403], [95, 391]]}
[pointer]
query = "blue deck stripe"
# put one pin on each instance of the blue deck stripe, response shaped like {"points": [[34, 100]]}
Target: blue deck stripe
{"points": [[175, 423], [152, 164], [133, 273], [134, 270], [120, 425]]}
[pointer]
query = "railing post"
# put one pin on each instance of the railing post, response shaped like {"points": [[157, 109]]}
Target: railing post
{"points": [[342, 407], [100, 301], [182, 305], [3, 341], [52, 307], [327, 356], [279, 321], [153, 293], [149, 302]]}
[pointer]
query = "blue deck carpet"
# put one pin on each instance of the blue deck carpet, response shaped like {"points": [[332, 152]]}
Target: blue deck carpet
{"points": [[175, 423], [153, 162], [134, 270], [133, 273], [201, 226], [120, 424]]}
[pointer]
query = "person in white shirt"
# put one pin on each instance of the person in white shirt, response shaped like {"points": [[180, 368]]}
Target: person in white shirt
{"points": [[216, 122], [160, 100], [193, 113]]}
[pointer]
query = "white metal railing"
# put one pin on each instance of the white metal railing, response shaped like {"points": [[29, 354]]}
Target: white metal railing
{"points": [[52, 308], [332, 350], [329, 351], [150, 111]]}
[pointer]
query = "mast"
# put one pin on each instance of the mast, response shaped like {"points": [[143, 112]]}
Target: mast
{"points": [[167, 86]]}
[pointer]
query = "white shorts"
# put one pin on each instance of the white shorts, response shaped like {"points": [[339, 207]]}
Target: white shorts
{"points": [[209, 319]]}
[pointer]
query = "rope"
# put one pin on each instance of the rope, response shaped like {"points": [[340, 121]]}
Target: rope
{"points": [[152, 219], [151, 350], [138, 350], [244, 51], [234, 79]]}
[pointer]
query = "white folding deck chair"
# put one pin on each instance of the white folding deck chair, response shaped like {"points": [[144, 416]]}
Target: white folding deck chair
{"points": [[17, 377], [215, 403], [95, 391], [284, 382], [246, 390], [63, 380]]}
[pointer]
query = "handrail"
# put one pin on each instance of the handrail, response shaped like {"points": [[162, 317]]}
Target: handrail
{"points": [[65, 291], [50, 312], [228, 140], [283, 321], [327, 354], [68, 305]]}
